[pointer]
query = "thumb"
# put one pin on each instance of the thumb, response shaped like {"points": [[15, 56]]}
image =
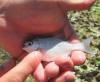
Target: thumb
{"points": [[20, 72]]}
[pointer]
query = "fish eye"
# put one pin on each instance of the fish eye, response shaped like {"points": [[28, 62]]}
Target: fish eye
{"points": [[28, 43]]}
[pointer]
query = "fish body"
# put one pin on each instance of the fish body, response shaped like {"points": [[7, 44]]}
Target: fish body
{"points": [[53, 47]]}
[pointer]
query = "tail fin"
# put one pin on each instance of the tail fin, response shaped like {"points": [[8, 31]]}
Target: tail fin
{"points": [[86, 44]]}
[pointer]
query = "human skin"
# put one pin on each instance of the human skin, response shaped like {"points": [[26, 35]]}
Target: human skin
{"points": [[22, 18]]}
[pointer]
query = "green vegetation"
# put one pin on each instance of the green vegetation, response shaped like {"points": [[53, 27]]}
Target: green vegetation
{"points": [[86, 23], [4, 56]]}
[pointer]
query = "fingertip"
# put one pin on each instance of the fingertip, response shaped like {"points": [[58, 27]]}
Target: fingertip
{"points": [[78, 57], [66, 65], [70, 77], [36, 54], [32, 57], [51, 69], [39, 74]]}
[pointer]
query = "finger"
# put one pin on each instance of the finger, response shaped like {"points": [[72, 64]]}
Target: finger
{"points": [[65, 77], [40, 74], [65, 63], [23, 69], [78, 57], [51, 69], [7, 66]]}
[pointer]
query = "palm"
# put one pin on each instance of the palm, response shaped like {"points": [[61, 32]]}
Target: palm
{"points": [[36, 16]]}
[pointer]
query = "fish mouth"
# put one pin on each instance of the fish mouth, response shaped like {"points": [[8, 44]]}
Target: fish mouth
{"points": [[25, 49]]}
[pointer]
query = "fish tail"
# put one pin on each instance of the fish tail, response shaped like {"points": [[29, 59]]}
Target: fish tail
{"points": [[86, 44]]}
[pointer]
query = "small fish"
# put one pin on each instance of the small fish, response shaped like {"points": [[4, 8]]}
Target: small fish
{"points": [[53, 47]]}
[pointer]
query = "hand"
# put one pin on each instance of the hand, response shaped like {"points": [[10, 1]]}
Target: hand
{"points": [[21, 18], [22, 70]]}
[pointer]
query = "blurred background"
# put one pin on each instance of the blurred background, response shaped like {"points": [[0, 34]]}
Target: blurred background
{"points": [[86, 23]]}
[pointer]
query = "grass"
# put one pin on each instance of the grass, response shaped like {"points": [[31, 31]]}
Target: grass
{"points": [[86, 23]]}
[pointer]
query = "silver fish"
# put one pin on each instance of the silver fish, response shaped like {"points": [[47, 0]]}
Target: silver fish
{"points": [[53, 47]]}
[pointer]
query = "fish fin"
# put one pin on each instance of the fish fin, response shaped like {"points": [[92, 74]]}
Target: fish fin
{"points": [[86, 44]]}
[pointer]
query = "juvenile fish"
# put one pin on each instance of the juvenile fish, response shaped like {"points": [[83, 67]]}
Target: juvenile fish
{"points": [[53, 47]]}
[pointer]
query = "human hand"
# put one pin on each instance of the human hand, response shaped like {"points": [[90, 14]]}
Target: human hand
{"points": [[21, 18], [21, 71]]}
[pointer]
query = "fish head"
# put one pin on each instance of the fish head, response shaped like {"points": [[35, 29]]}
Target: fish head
{"points": [[30, 46]]}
